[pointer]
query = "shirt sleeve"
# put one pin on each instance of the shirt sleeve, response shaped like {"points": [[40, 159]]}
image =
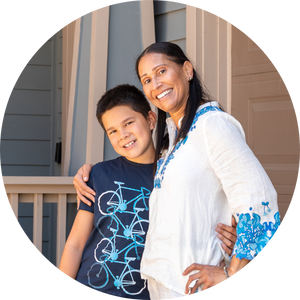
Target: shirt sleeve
{"points": [[250, 193], [83, 206]]}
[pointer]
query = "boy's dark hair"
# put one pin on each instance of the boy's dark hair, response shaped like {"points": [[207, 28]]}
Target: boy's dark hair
{"points": [[123, 94]]}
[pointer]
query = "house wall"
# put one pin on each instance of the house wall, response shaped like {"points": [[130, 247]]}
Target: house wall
{"points": [[170, 22], [32, 121], [31, 128]]}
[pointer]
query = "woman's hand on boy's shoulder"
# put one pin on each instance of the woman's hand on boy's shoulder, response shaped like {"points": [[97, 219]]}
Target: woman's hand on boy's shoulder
{"points": [[82, 190], [227, 234]]}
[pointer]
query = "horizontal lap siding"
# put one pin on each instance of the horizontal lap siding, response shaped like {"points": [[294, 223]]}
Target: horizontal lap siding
{"points": [[27, 130], [31, 127], [170, 22]]}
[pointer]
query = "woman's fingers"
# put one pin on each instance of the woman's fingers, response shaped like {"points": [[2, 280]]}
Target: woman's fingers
{"points": [[81, 198], [199, 282], [206, 277], [192, 277], [86, 170], [80, 185]]}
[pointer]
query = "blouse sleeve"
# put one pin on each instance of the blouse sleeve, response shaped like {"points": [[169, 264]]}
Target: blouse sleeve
{"points": [[251, 195]]}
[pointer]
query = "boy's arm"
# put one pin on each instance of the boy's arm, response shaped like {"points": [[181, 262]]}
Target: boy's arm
{"points": [[228, 236], [81, 230]]}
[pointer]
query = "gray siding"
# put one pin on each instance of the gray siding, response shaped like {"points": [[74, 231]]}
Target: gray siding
{"points": [[32, 121], [31, 128], [170, 22], [124, 46]]}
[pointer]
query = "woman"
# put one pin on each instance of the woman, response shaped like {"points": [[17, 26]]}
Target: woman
{"points": [[205, 173]]}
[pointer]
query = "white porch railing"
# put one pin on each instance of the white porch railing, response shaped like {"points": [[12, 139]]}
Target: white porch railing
{"points": [[40, 190]]}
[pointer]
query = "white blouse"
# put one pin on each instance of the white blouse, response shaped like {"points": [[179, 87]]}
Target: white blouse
{"points": [[209, 176]]}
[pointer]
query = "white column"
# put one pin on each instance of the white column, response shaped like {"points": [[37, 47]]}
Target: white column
{"points": [[71, 97], [208, 46], [97, 83]]}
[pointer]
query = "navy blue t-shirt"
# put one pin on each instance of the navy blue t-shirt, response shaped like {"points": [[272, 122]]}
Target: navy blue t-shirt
{"points": [[112, 255]]}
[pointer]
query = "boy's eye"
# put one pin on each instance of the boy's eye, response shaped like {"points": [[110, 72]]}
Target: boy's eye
{"points": [[146, 81], [111, 132]]}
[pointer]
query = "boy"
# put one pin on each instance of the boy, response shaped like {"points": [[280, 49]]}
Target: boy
{"points": [[105, 245]]}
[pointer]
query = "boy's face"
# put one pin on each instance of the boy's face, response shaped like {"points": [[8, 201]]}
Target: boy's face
{"points": [[130, 133]]}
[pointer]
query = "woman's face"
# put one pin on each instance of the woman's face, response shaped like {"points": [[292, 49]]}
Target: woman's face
{"points": [[165, 83]]}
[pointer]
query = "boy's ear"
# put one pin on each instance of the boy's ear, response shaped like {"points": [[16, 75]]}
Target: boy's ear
{"points": [[152, 119]]}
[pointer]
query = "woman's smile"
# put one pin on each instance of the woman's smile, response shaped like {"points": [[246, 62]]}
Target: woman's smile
{"points": [[163, 94]]}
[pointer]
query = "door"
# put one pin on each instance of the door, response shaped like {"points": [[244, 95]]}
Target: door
{"points": [[260, 101]]}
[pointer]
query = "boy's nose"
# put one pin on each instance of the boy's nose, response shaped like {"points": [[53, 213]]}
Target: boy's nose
{"points": [[123, 135]]}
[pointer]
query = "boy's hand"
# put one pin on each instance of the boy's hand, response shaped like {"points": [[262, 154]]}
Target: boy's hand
{"points": [[82, 189], [227, 235]]}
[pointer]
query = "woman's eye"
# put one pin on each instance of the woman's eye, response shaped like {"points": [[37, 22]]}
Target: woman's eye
{"points": [[162, 71], [128, 123]]}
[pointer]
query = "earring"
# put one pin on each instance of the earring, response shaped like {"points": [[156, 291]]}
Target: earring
{"points": [[190, 78]]}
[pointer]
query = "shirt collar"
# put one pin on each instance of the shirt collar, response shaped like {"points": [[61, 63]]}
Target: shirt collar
{"points": [[170, 124], [172, 129]]}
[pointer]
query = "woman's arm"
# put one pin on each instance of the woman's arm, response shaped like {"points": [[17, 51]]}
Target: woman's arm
{"points": [[81, 230], [250, 194], [79, 182]]}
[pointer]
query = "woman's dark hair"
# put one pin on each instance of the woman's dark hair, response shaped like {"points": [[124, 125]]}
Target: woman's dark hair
{"points": [[197, 94], [123, 94]]}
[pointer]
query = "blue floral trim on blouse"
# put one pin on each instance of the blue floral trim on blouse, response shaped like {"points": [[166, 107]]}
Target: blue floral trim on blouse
{"points": [[162, 163], [252, 236]]}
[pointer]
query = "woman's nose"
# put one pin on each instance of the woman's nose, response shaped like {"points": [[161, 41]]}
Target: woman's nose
{"points": [[156, 84]]}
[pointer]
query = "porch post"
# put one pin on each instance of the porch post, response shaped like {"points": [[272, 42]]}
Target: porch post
{"points": [[97, 83], [70, 49], [208, 45]]}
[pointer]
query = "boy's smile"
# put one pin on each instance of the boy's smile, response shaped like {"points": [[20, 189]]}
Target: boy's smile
{"points": [[130, 133]]}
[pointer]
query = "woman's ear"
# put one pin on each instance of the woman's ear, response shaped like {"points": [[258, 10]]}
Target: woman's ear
{"points": [[188, 69], [152, 119]]}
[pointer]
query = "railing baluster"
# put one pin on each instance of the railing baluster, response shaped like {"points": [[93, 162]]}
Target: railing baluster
{"points": [[40, 190], [38, 221], [14, 202], [61, 226]]}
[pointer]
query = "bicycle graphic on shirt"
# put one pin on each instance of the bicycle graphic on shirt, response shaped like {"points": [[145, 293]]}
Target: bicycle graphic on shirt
{"points": [[116, 202], [116, 210], [99, 272]]}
